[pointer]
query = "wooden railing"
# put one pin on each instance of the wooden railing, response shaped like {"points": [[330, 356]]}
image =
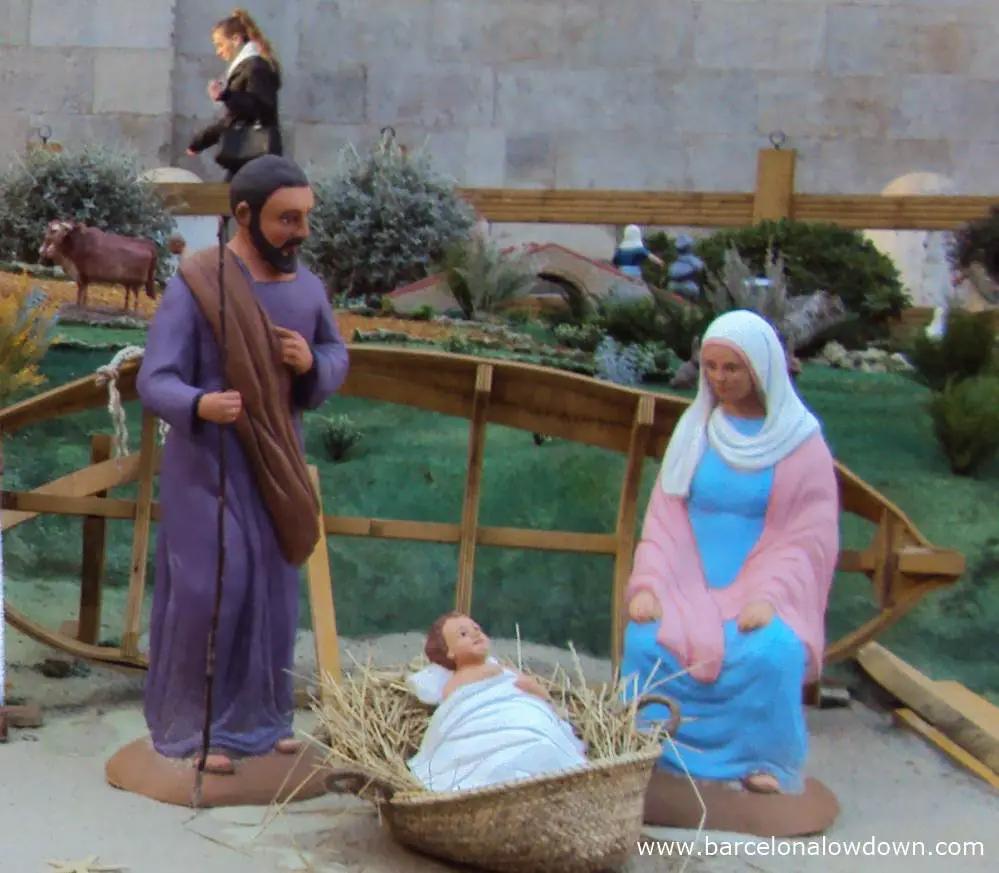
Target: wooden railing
{"points": [[902, 565], [774, 197]]}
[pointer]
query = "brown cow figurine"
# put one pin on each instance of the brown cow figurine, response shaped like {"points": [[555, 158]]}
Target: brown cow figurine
{"points": [[89, 255]]}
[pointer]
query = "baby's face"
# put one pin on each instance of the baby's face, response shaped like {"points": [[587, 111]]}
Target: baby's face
{"points": [[466, 643]]}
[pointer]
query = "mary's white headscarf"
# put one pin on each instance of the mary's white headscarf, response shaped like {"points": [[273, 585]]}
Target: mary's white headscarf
{"points": [[788, 422], [631, 238]]}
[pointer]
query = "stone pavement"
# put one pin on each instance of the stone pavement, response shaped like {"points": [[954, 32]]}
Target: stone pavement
{"points": [[55, 805]]}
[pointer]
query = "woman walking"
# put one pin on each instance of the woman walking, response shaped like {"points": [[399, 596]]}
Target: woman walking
{"points": [[249, 126]]}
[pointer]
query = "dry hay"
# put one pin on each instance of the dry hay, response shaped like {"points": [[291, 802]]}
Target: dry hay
{"points": [[373, 724]]}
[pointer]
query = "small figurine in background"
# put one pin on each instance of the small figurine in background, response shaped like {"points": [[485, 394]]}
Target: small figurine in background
{"points": [[632, 252], [686, 271], [492, 724]]}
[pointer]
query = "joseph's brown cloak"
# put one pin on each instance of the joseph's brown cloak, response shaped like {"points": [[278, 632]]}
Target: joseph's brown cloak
{"points": [[265, 428]]}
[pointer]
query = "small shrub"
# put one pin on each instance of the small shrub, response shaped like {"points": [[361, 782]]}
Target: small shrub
{"points": [[663, 245], [623, 364], [340, 435], [965, 417], [426, 312], [93, 184], [383, 220], [27, 322], [684, 324], [665, 362], [632, 321], [585, 337], [458, 345], [482, 278], [966, 350]]}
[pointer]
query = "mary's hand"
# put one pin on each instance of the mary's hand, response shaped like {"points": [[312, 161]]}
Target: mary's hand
{"points": [[644, 607], [755, 615]]}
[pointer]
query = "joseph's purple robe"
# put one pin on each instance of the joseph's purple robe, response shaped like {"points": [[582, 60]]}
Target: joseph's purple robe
{"points": [[252, 703]]}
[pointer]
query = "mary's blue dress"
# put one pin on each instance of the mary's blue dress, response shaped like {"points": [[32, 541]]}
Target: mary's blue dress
{"points": [[751, 720]]}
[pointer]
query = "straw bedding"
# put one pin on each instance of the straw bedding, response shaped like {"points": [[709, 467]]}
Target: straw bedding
{"points": [[579, 821]]}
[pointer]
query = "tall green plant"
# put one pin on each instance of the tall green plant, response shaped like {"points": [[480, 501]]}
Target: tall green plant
{"points": [[482, 278], [383, 220]]}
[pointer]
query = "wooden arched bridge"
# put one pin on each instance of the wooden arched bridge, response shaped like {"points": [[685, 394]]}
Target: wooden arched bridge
{"points": [[901, 564]]}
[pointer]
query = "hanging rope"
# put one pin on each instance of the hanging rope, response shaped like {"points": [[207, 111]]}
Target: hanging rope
{"points": [[220, 567], [108, 374]]}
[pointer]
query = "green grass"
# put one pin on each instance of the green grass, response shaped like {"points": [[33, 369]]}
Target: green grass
{"points": [[411, 465]]}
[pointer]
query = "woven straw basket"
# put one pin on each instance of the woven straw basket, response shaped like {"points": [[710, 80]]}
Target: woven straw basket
{"points": [[585, 820]]}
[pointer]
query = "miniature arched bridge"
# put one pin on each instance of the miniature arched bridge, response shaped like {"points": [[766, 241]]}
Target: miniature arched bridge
{"points": [[901, 564]]}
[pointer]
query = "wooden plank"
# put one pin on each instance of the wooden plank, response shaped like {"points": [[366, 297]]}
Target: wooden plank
{"points": [[879, 212], [492, 537], [920, 694], [321, 602], [34, 504], [946, 745], [978, 709], [92, 565], [473, 486], [591, 206], [140, 538], [627, 512], [774, 197], [20, 507]]}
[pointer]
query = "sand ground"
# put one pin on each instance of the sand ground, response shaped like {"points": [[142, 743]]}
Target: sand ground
{"points": [[56, 805]]}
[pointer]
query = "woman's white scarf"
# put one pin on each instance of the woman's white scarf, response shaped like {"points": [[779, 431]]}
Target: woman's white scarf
{"points": [[788, 422], [631, 238], [249, 50]]}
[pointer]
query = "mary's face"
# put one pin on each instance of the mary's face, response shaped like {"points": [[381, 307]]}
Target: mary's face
{"points": [[728, 374]]}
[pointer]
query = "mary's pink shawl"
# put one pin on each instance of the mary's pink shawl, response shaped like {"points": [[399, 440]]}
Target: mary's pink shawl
{"points": [[791, 567]]}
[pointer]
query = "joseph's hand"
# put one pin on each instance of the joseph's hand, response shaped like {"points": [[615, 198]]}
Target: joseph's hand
{"points": [[220, 407], [644, 607], [295, 351]]}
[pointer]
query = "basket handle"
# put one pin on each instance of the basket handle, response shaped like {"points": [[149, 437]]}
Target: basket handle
{"points": [[356, 780], [669, 703]]}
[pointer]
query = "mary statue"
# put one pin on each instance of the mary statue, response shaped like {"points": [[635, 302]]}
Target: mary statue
{"points": [[727, 598]]}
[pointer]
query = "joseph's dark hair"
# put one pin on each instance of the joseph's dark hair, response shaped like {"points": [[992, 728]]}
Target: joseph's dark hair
{"points": [[240, 23]]}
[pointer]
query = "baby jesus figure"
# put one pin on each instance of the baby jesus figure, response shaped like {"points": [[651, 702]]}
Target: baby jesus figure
{"points": [[492, 724], [457, 643]]}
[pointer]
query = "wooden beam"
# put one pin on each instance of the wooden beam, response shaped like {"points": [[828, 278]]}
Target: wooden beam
{"points": [[19, 507], [140, 537], [774, 197], [627, 511], [909, 719], [88, 626], [591, 206], [473, 486], [919, 693], [323, 607]]}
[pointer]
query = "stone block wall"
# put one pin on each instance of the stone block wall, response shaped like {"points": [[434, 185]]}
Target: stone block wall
{"points": [[90, 70], [643, 94]]}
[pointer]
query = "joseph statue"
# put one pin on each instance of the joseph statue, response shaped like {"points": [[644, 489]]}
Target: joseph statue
{"points": [[284, 355]]}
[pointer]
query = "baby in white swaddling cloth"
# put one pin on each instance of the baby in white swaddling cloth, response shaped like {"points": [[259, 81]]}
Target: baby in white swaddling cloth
{"points": [[492, 724]]}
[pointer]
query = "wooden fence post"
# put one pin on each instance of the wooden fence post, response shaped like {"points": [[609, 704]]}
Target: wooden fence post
{"points": [[88, 626], [774, 195]]}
